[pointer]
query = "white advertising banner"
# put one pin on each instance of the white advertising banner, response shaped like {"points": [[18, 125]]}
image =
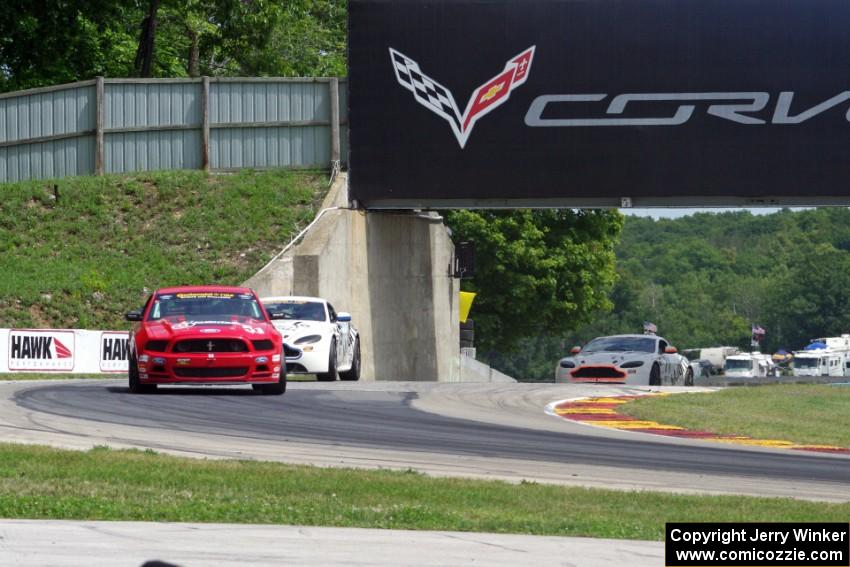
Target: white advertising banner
{"points": [[41, 350], [77, 351], [113, 351]]}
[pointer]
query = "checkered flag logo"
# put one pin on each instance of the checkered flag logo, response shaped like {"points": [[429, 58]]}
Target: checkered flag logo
{"points": [[439, 100]]}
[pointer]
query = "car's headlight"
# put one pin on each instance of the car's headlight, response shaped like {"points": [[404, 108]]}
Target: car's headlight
{"points": [[632, 364], [309, 339], [568, 364]]}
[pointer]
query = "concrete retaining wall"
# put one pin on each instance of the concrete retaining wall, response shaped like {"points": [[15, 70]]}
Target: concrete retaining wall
{"points": [[473, 371], [391, 271]]}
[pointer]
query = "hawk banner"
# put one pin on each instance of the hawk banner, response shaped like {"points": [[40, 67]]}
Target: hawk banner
{"points": [[49, 350], [439, 100]]}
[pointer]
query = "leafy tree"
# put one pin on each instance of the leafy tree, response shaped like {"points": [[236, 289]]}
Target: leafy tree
{"points": [[147, 39], [54, 41], [44, 42], [813, 298], [309, 39], [537, 271]]}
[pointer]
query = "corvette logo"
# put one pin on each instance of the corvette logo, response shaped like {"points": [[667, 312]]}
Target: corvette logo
{"points": [[439, 100]]}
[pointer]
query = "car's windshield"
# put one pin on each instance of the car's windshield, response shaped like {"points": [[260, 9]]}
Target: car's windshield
{"points": [[205, 306], [621, 344], [732, 364], [300, 310], [806, 362]]}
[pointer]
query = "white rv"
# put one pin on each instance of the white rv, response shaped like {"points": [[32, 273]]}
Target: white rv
{"points": [[819, 362], [749, 365], [826, 356]]}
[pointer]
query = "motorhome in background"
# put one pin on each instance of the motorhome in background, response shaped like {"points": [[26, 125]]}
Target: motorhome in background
{"points": [[817, 362], [749, 365], [841, 346], [828, 356], [717, 355]]}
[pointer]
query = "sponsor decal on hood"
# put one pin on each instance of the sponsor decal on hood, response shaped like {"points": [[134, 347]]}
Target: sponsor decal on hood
{"points": [[295, 328], [187, 325]]}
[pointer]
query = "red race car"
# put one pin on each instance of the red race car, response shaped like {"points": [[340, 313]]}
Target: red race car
{"points": [[205, 335]]}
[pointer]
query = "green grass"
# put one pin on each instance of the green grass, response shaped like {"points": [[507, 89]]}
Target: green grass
{"points": [[54, 376], [86, 258], [104, 484], [802, 413]]}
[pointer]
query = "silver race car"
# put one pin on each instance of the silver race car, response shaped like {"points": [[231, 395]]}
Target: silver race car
{"points": [[626, 359]]}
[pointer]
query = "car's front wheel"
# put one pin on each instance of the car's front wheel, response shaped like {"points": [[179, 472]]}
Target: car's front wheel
{"points": [[277, 389], [331, 374], [655, 375], [353, 373], [135, 384]]}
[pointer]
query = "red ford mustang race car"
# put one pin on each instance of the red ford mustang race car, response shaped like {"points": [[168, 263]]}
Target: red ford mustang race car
{"points": [[205, 335]]}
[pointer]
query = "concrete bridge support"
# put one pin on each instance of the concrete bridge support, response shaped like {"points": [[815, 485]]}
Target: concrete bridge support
{"points": [[392, 272]]}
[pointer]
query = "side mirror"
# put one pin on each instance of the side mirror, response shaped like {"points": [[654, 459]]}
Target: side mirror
{"points": [[343, 317], [671, 350], [575, 350], [134, 315]]}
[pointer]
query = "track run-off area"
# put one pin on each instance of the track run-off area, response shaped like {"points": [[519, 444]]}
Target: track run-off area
{"points": [[497, 431]]}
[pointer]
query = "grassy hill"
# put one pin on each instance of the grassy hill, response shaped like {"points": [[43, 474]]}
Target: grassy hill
{"points": [[80, 252]]}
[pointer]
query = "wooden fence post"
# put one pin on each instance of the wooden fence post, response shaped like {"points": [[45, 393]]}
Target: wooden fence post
{"points": [[98, 126], [205, 109], [333, 86]]}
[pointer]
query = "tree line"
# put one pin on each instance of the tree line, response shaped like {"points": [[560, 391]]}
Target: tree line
{"points": [[46, 42], [705, 279]]}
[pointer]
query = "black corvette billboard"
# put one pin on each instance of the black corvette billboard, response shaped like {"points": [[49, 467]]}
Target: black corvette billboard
{"points": [[589, 102]]}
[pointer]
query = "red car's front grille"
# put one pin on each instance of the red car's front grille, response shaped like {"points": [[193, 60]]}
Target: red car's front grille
{"points": [[214, 372], [211, 345], [597, 372]]}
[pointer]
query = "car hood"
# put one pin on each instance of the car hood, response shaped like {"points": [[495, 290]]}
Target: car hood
{"points": [[614, 358], [245, 327], [293, 328]]}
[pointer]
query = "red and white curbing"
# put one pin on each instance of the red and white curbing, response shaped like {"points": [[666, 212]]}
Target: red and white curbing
{"points": [[602, 412]]}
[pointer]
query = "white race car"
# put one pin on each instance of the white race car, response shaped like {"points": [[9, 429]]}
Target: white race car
{"points": [[626, 359], [317, 340]]}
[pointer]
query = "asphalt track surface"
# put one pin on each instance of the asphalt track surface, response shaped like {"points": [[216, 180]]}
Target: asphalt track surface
{"points": [[387, 420]]}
